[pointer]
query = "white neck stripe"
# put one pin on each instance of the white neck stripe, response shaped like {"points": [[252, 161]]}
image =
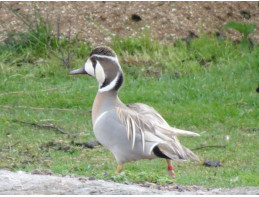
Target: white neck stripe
{"points": [[111, 85]]}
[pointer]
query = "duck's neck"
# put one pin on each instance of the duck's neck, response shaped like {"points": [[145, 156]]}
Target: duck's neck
{"points": [[104, 101]]}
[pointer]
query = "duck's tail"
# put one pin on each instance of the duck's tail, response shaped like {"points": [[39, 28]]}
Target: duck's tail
{"points": [[177, 152], [190, 154]]}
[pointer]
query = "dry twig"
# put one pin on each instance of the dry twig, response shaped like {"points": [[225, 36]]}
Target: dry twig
{"points": [[235, 103], [27, 92], [42, 108], [209, 146], [46, 126]]}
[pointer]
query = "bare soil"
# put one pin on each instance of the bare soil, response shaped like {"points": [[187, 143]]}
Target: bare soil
{"points": [[46, 182], [166, 21]]}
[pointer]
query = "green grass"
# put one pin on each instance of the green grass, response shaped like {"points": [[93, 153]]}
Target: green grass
{"points": [[207, 86]]}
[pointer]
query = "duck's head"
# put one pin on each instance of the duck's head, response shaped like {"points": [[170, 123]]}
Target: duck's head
{"points": [[103, 64]]}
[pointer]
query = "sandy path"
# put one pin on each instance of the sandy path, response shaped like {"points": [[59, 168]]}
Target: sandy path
{"points": [[27, 183]]}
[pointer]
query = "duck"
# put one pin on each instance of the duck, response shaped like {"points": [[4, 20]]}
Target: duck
{"points": [[130, 132]]}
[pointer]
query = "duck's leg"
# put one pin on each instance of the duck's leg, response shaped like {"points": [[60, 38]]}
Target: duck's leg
{"points": [[119, 169], [170, 168]]}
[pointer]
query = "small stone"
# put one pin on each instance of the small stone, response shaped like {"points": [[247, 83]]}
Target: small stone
{"points": [[82, 179], [246, 14], [37, 171], [210, 163], [153, 186], [47, 172], [136, 17]]}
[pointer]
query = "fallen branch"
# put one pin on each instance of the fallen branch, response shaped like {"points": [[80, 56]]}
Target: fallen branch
{"points": [[27, 92], [209, 146], [46, 126], [235, 103], [42, 108]]}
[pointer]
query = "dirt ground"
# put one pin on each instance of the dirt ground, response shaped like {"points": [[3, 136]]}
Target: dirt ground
{"points": [[165, 20], [36, 182]]}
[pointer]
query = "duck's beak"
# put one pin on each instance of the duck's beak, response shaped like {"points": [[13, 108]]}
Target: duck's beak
{"points": [[78, 71]]}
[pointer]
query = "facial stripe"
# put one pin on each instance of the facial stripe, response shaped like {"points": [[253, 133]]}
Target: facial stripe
{"points": [[105, 83], [115, 59], [111, 85], [110, 68], [99, 73], [119, 82], [89, 67]]}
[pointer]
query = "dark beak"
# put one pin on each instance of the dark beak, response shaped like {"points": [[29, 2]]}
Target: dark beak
{"points": [[78, 71]]}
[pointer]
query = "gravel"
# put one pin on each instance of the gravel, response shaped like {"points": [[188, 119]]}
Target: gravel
{"points": [[166, 21], [37, 182]]}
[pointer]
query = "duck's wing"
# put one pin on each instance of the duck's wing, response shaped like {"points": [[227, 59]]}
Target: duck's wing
{"points": [[139, 117], [151, 115]]}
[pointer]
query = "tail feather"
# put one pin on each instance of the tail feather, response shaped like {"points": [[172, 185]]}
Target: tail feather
{"points": [[171, 131], [191, 154], [182, 154], [165, 150]]}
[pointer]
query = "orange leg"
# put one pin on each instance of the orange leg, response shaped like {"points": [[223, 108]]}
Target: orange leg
{"points": [[119, 169], [170, 168]]}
